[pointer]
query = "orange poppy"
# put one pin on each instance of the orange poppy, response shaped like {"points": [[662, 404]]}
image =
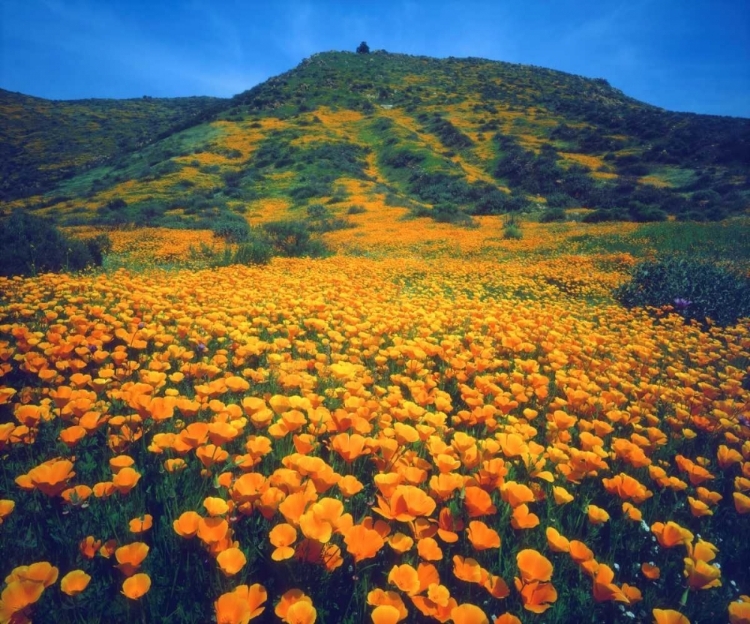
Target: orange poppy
{"points": [[671, 534], [240, 605], [597, 515], [468, 614], [130, 557], [125, 480], [741, 502], [215, 506], [481, 536], [349, 446], [561, 495], [669, 616], [89, 546], [362, 542], [448, 525], [522, 518], [76, 495], [407, 503], [119, 462], [187, 524], [701, 574], [380, 598], [136, 586], [52, 476], [282, 536], [536, 596], [478, 502], [516, 494], [385, 614], [739, 611], [557, 542], [74, 582], [507, 618], [429, 550], [405, 578], [534, 566], [468, 569], [349, 486], [496, 586], [650, 571], [141, 524], [231, 561], [631, 512], [212, 530]]}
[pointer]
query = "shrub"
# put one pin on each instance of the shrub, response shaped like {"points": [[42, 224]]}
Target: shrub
{"points": [[231, 227], [257, 251], [352, 210], [293, 239], [512, 228], [30, 245], [696, 289], [512, 232], [552, 214]]}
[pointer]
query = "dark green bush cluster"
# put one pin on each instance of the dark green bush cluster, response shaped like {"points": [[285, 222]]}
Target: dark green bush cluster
{"points": [[449, 135], [30, 245], [293, 239], [696, 289], [231, 227], [552, 214]]}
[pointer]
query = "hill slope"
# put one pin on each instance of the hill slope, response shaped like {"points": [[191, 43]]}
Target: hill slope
{"points": [[44, 141], [447, 138]]}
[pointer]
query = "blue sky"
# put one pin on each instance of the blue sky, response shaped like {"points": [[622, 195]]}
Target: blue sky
{"points": [[685, 55]]}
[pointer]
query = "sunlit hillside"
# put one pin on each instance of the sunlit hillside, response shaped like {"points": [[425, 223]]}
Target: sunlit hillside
{"points": [[450, 138], [45, 141]]}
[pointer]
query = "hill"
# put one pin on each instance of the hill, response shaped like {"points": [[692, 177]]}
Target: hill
{"points": [[45, 141], [449, 138]]}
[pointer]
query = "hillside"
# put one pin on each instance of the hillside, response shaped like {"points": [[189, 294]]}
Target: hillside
{"points": [[449, 138], [45, 141]]}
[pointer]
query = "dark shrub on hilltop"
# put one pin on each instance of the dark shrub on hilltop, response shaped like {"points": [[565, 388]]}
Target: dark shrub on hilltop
{"points": [[30, 245], [695, 288]]}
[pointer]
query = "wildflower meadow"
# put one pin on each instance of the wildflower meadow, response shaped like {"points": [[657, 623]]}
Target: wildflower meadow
{"points": [[434, 424]]}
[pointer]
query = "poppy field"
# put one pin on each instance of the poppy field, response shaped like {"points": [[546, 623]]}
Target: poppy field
{"points": [[460, 430]]}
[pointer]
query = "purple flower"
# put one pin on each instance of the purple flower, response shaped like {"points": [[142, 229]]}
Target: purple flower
{"points": [[201, 347], [680, 303]]}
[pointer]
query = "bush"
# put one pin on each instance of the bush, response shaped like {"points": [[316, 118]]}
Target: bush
{"points": [[231, 227], [257, 251], [552, 214], [512, 232], [293, 239], [512, 228], [30, 245], [696, 289]]}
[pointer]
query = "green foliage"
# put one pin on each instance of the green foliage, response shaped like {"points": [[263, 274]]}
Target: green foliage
{"points": [[363, 48], [257, 250], [30, 245], [551, 215], [293, 239], [231, 227], [698, 164], [696, 289], [449, 135], [512, 228], [58, 149]]}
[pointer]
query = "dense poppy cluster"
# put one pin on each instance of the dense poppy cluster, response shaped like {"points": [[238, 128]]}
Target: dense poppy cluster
{"points": [[452, 440]]}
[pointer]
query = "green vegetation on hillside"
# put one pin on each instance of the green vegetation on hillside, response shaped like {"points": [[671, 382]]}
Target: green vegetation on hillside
{"points": [[450, 138], [45, 141]]}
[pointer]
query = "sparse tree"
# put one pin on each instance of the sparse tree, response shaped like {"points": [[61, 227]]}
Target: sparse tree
{"points": [[363, 48]]}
